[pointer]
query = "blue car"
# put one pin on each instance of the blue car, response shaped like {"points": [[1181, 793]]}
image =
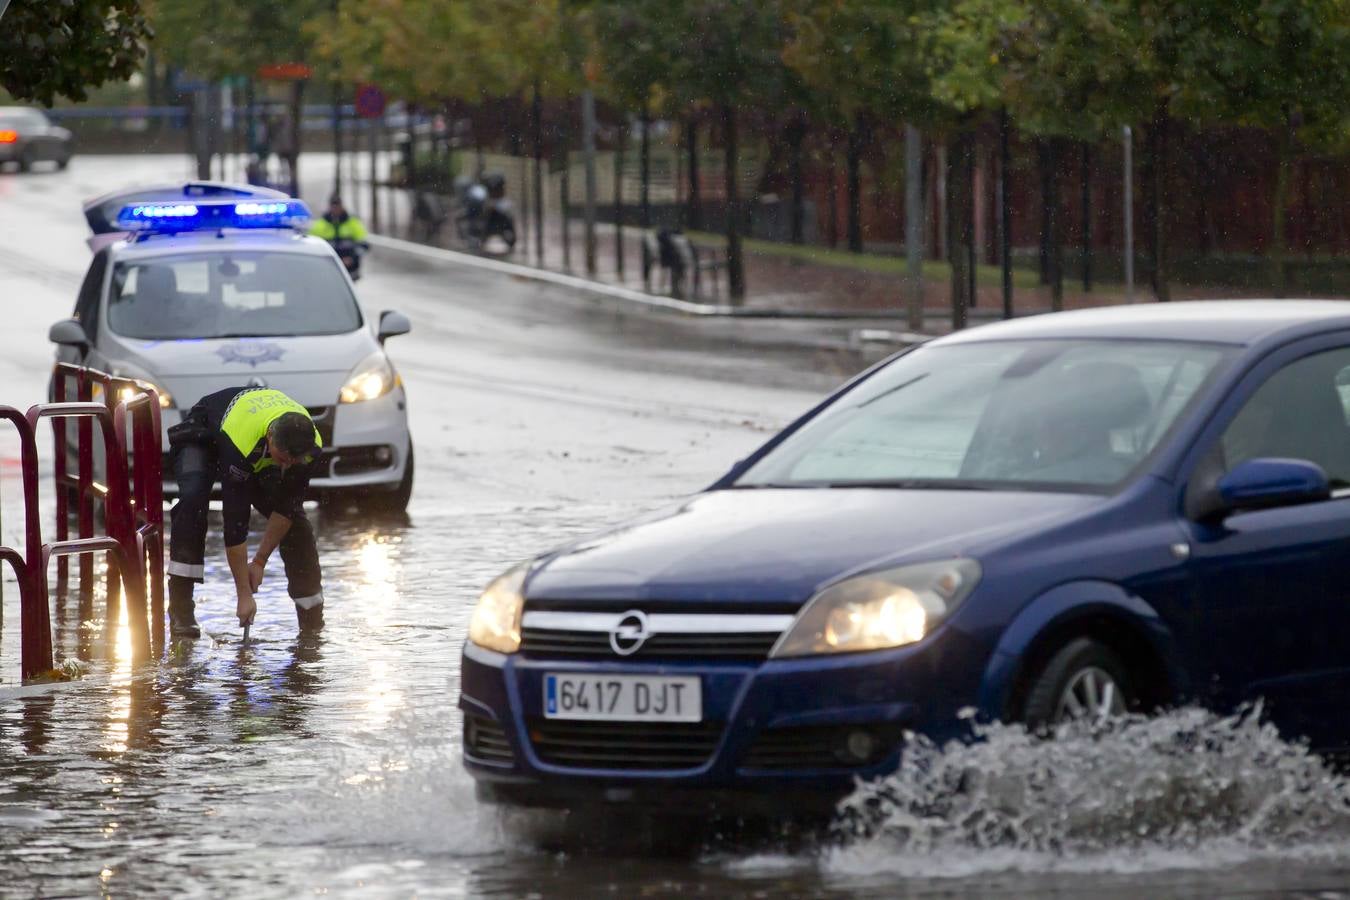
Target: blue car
{"points": [[1061, 517]]}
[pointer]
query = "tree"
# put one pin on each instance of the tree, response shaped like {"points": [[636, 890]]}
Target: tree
{"points": [[722, 54], [50, 49], [1284, 66], [860, 60]]}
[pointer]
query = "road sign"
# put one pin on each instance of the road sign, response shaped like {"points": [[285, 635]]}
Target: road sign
{"points": [[291, 71], [369, 101]]}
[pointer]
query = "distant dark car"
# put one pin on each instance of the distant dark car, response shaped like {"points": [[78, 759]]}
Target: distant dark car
{"points": [[27, 137]]}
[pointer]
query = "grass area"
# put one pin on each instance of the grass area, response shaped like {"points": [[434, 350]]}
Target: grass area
{"points": [[872, 263]]}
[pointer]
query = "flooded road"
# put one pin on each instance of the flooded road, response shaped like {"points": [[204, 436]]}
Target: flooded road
{"points": [[331, 765]]}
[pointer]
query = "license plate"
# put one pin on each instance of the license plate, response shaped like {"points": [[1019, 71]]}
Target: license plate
{"points": [[623, 698]]}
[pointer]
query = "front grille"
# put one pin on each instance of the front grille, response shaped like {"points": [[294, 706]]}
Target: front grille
{"points": [[818, 747], [624, 745], [740, 646], [485, 740], [650, 635]]}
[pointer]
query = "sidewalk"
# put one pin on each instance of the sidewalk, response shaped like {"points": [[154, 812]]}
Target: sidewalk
{"points": [[782, 280]]}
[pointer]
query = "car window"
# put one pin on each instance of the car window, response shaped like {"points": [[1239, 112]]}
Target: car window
{"points": [[1299, 413], [1073, 413], [86, 306], [244, 294], [21, 118]]}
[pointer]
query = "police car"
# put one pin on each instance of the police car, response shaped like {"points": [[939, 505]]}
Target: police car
{"points": [[203, 286]]}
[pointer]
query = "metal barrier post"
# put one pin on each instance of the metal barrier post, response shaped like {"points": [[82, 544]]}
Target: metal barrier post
{"points": [[133, 505]]}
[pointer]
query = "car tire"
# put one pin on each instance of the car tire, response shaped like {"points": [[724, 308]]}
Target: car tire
{"points": [[63, 161], [1084, 679], [395, 501], [25, 161]]}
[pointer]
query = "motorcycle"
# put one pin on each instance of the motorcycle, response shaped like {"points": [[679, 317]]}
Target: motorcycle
{"points": [[350, 252], [484, 212]]}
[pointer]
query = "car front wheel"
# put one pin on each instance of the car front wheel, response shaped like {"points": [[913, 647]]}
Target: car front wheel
{"points": [[1083, 681]]}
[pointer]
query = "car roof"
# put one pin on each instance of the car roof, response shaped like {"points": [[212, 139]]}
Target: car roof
{"points": [[1240, 322], [279, 241]]}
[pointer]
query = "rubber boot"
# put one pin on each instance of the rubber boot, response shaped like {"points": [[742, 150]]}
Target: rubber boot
{"points": [[311, 619], [182, 611]]}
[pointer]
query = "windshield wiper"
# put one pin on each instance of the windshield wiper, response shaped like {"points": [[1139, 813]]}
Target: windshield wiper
{"points": [[250, 334], [909, 484]]}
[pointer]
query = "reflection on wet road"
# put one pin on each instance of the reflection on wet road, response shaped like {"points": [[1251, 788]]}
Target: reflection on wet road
{"points": [[331, 765]]}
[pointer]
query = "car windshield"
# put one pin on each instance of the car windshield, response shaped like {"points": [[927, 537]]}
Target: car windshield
{"points": [[22, 118], [1048, 414], [233, 294]]}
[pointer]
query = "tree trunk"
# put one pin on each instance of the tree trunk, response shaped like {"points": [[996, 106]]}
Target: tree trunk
{"points": [[960, 237], [337, 139], [620, 139], [646, 167], [297, 114], [1087, 216], [1055, 256], [1045, 165], [1279, 276], [694, 210], [853, 161], [537, 117], [1005, 212], [914, 222], [588, 151], [832, 193], [796, 137], [565, 185], [735, 262], [1158, 188]]}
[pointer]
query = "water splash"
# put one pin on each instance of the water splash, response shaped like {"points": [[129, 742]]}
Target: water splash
{"points": [[1185, 789]]}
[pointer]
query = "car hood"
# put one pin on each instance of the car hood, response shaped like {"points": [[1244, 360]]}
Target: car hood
{"points": [[238, 359], [778, 546]]}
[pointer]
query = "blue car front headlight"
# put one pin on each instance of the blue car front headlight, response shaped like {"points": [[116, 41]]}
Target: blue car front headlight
{"points": [[879, 610], [496, 619]]}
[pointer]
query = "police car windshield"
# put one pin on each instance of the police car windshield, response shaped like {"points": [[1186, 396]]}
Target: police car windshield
{"points": [[255, 294]]}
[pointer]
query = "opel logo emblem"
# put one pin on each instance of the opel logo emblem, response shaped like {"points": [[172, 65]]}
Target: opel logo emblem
{"points": [[630, 633]]}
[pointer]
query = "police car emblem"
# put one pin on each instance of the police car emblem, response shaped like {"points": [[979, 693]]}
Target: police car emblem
{"points": [[251, 352]]}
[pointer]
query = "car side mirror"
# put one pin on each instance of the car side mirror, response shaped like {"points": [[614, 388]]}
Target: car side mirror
{"points": [[1270, 482], [392, 324], [69, 333]]}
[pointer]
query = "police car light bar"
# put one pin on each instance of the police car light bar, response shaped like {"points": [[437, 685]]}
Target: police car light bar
{"points": [[210, 215]]}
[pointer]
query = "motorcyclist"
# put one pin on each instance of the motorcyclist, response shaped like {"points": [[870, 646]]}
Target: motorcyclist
{"points": [[345, 232], [485, 211]]}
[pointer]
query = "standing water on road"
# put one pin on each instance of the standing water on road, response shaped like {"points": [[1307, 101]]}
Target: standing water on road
{"points": [[332, 765]]}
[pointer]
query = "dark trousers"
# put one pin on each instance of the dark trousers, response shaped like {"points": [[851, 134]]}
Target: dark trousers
{"points": [[194, 466]]}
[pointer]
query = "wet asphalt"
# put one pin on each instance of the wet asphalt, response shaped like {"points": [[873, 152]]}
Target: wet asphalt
{"points": [[330, 766]]}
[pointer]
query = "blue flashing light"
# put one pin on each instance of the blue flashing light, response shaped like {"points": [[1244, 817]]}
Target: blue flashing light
{"points": [[207, 215]]}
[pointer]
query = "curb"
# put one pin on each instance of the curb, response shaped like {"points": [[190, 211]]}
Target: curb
{"points": [[641, 298]]}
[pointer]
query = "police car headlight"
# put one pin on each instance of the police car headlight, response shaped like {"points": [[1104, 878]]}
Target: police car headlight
{"points": [[496, 619], [126, 393], [879, 610], [373, 378]]}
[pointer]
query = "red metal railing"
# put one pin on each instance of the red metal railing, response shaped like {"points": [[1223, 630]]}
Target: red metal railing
{"points": [[131, 498]]}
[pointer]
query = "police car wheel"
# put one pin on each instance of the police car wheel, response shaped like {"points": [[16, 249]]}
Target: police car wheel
{"points": [[395, 500]]}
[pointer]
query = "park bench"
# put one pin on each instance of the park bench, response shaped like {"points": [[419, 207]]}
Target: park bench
{"points": [[681, 261]]}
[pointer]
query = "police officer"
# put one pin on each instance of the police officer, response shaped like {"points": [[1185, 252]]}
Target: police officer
{"points": [[345, 232], [260, 444]]}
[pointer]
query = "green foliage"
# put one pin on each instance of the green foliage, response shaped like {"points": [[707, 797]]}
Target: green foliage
{"points": [[217, 38], [51, 48]]}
